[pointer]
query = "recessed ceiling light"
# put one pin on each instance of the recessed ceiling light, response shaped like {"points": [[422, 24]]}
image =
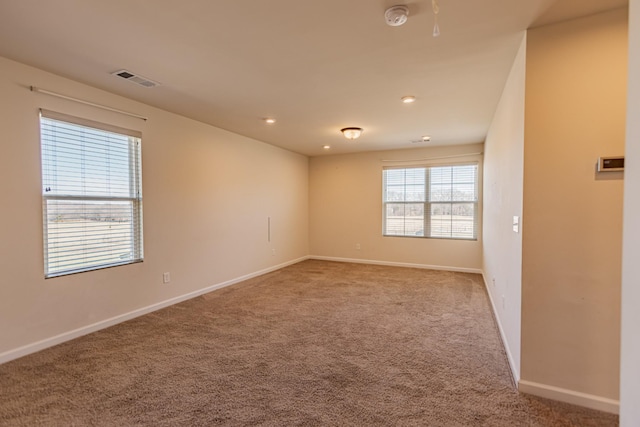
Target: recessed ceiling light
{"points": [[269, 120], [326, 147], [408, 99]]}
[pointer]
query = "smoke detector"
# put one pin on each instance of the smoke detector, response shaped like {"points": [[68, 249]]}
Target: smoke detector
{"points": [[396, 15], [135, 78]]}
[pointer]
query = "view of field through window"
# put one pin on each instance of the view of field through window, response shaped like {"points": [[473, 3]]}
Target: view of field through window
{"points": [[91, 197], [431, 202]]}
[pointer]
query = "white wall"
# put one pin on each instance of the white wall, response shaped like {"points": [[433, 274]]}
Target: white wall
{"points": [[502, 247], [575, 111], [345, 205], [630, 365], [207, 195]]}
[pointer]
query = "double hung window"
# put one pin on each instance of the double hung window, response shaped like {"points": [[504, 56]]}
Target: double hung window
{"points": [[436, 201], [91, 194]]}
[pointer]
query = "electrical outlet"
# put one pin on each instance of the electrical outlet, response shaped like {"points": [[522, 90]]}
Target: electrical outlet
{"points": [[357, 246], [166, 277], [493, 282], [273, 252]]}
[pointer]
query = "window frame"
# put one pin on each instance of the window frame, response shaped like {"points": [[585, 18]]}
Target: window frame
{"points": [[427, 203], [134, 198]]}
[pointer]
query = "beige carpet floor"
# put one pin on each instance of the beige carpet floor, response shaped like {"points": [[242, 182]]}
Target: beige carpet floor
{"points": [[314, 344]]}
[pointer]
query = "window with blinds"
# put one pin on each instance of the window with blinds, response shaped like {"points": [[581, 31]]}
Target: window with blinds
{"points": [[437, 201], [92, 194]]}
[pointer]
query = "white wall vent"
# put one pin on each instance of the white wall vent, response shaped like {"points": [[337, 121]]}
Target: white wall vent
{"points": [[135, 78]]}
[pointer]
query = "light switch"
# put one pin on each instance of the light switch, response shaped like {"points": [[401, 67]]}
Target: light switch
{"points": [[516, 224]]}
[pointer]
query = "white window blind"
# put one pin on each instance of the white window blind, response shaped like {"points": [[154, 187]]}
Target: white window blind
{"points": [[92, 194], [437, 201]]}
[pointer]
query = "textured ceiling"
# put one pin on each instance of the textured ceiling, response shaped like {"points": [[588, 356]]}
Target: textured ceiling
{"points": [[315, 66]]}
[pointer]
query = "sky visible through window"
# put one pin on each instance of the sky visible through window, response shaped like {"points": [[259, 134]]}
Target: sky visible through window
{"points": [[437, 201], [92, 201], [81, 161]]}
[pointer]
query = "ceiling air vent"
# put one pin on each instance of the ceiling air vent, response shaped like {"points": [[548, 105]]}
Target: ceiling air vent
{"points": [[135, 78]]}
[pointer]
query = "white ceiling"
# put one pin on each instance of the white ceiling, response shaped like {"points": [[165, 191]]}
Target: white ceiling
{"points": [[314, 65]]}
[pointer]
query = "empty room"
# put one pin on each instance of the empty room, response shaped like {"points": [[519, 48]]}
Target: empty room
{"points": [[331, 212]]}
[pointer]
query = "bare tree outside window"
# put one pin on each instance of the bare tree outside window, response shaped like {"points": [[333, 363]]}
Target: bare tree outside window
{"points": [[437, 201]]}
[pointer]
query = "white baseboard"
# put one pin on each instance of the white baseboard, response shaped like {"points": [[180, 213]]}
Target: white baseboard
{"points": [[397, 264], [547, 391], [76, 333], [515, 373], [542, 390], [570, 396]]}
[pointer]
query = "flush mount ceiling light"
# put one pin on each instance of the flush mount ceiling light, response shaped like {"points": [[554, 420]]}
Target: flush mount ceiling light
{"points": [[326, 147], [408, 99], [269, 120], [351, 132], [396, 15]]}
